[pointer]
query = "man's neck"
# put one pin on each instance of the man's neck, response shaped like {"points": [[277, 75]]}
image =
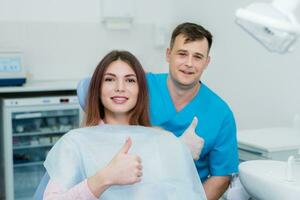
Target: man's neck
{"points": [[181, 95]]}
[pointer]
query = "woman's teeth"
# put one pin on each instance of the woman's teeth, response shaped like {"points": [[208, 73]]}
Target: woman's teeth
{"points": [[119, 100]]}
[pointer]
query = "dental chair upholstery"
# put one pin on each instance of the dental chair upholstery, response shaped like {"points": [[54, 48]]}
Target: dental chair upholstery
{"points": [[82, 90]]}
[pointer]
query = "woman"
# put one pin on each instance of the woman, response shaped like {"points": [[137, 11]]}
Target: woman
{"points": [[117, 96], [119, 82]]}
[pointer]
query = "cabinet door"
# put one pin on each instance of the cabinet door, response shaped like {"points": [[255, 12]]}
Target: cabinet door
{"points": [[33, 133]]}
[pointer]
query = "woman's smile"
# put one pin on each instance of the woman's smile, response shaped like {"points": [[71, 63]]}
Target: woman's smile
{"points": [[119, 99]]}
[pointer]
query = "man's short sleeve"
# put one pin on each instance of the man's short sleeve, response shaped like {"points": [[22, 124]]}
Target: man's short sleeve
{"points": [[223, 158]]}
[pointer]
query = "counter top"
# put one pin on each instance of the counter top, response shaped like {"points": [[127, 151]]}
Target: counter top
{"points": [[269, 139], [42, 86]]}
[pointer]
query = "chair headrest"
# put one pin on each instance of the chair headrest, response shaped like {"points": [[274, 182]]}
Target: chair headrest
{"points": [[82, 91]]}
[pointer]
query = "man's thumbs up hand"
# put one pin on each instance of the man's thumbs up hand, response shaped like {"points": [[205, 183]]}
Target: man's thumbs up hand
{"points": [[192, 140]]}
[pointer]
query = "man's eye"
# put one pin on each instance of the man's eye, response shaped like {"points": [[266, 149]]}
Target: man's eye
{"points": [[182, 54]]}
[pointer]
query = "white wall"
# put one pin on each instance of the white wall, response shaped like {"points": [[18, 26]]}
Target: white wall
{"points": [[65, 40]]}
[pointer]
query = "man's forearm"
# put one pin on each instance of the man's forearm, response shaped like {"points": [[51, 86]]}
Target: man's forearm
{"points": [[215, 186]]}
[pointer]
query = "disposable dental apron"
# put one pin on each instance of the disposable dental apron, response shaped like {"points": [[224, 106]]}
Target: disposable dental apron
{"points": [[168, 169]]}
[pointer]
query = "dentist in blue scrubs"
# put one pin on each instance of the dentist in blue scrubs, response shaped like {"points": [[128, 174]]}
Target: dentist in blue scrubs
{"points": [[178, 97], [181, 103]]}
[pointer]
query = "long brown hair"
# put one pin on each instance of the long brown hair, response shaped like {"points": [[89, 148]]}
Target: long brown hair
{"points": [[94, 109]]}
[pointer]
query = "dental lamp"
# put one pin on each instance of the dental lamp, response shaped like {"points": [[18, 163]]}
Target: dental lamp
{"points": [[272, 24]]}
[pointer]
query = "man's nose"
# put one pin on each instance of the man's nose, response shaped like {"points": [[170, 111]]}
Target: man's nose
{"points": [[189, 61]]}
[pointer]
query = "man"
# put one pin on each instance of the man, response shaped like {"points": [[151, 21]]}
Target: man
{"points": [[176, 98]]}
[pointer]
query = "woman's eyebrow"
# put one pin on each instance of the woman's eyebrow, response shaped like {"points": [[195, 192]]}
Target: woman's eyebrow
{"points": [[110, 74], [114, 75], [129, 75]]}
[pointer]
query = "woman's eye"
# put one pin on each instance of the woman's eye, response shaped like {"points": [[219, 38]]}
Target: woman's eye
{"points": [[108, 79], [131, 80]]}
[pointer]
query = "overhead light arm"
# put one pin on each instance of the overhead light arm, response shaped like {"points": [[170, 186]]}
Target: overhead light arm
{"points": [[272, 24]]}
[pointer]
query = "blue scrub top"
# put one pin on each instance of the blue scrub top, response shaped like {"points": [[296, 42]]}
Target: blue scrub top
{"points": [[216, 125]]}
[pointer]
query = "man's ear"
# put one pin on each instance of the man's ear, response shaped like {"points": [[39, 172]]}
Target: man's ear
{"points": [[168, 53], [207, 62]]}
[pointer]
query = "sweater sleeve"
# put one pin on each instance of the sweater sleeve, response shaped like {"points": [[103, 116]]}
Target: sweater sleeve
{"points": [[81, 191]]}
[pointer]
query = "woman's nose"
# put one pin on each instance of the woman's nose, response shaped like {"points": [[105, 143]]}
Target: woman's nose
{"points": [[120, 86]]}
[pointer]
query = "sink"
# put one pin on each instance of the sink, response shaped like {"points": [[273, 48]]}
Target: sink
{"points": [[268, 180]]}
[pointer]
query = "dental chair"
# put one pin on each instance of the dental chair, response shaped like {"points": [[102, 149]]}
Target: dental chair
{"points": [[82, 89]]}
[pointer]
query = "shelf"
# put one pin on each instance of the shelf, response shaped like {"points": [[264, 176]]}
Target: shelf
{"points": [[39, 115], [33, 146], [24, 198], [40, 133], [29, 164]]}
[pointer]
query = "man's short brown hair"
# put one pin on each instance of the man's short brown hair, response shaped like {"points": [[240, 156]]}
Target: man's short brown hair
{"points": [[191, 32]]}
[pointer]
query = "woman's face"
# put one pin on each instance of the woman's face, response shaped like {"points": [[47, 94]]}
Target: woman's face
{"points": [[119, 89]]}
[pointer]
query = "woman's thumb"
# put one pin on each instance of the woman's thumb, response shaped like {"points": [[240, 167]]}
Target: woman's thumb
{"points": [[125, 148]]}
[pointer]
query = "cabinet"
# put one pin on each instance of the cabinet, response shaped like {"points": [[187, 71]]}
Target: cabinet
{"points": [[30, 127]]}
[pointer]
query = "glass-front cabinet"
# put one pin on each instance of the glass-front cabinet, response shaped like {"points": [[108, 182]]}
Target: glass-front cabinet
{"points": [[31, 126]]}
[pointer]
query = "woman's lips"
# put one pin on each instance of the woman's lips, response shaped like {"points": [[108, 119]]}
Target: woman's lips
{"points": [[119, 99]]}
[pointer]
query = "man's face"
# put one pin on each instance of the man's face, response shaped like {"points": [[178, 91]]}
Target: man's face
{"points": [[187, 61]]}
